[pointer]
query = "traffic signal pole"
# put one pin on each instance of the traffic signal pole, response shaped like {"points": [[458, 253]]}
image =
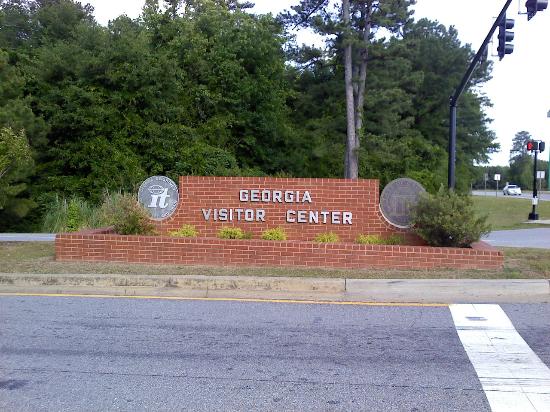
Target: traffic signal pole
{"points": [[451, 179], [534, 215]]}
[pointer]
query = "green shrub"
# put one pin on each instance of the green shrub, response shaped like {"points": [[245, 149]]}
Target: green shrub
{"points": [[232, 233], [127, 215], [328, 237], [185, 231], [394, 239], [277, 233], [447, 219], [74, 217], [369, 240]]}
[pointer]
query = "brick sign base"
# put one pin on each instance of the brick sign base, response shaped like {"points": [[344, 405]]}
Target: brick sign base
{"points": [[304, 208], [100, 245]]}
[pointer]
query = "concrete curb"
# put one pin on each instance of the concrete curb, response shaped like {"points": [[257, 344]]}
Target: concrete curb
{"points": [[315, 289]]}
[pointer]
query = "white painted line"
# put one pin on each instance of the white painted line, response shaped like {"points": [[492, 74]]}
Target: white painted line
{"points": [[511, 374]]}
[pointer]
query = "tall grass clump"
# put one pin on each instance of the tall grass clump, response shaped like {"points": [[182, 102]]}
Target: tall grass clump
{"points": [[69, 215]]}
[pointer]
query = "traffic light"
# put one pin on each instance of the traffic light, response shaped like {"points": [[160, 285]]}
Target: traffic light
{"points": [[535, 5], [505, 37], [533, 146]]}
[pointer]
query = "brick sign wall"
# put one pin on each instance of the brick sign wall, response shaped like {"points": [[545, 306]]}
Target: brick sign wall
{"points": [[303, 207]]}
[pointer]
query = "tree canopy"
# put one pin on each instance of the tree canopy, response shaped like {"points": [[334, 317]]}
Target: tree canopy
{"points": [[207, 87]]}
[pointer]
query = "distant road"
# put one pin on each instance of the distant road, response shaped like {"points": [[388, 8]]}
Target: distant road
{"points": [[27, 237], [524, 195], [532, 238]]}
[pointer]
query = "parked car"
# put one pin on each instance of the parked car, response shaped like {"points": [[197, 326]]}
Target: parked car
{"points": [[511, 190]]}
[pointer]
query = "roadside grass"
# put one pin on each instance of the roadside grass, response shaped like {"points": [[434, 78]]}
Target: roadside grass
{"points": [[509, 213], [38, 258]]}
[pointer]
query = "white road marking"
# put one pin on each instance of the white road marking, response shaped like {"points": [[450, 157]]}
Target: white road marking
{"points": [[511, 374]]}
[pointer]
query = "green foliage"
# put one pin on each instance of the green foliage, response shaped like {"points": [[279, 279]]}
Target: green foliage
{"points": [[379, 240], [127, 216], [232, 233], [448, 219], [203, 88], [74, 219], [62, 215], [329, 237], [185, 231], [277, 233]]}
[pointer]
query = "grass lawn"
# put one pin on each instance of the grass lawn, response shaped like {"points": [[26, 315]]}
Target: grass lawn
{"points": [[510, 213], [23, 257]]}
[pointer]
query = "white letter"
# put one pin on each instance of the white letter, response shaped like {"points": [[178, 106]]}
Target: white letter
{"points": [[223, 215], [289, 197], [277, 196], [313, 216], [290, 219], [307, 197], [249, 215], [206, 213], [347, 218], [260, 215], [335, 218], [302, 216], [325, 214], [243, 195], [266, 196], [254, 195]]}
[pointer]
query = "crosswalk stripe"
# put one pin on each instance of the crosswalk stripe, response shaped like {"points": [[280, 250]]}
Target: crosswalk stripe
{"points": [[511, 374]]}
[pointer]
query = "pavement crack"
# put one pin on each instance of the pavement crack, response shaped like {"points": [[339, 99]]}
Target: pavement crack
{"points": [[239, 379]]}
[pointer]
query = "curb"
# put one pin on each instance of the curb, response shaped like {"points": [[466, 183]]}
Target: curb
{"points": [[313, 289]]}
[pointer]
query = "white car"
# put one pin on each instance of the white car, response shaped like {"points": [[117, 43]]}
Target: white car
{"points": [[511, 190]]}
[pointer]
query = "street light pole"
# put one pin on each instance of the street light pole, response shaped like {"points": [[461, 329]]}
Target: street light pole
{"points": [[453, 102]]}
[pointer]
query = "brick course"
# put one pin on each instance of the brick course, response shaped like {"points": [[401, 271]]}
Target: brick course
{"points": [[101, 246]]}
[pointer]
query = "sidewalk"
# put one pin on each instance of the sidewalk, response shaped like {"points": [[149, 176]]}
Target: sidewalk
{"points": [[305, 289]]}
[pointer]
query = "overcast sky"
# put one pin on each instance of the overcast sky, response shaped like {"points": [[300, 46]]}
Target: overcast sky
{"points": [[520, 88]]}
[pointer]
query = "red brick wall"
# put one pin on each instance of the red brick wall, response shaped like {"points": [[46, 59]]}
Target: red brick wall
{"points": [[210, 251], [360, 197]]}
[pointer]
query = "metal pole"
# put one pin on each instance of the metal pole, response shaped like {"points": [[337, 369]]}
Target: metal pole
{"points": [[533, 215], [454, 99], [452, 146]]}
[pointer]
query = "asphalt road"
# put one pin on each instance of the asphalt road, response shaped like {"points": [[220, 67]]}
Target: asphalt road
{"points": [[538, 238], [63, 353], [525, 195]]}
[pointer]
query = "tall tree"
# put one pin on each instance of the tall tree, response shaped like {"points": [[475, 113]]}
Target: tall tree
{"points": [[353, 27], [521, 162]]}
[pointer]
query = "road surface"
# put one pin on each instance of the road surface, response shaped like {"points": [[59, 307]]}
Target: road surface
{"points": [[71, 353], [538, 238], [525, 195]]}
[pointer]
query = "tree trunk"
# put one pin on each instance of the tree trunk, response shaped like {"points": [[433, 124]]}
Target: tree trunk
{"points": [[351, 162], [366, 11]]}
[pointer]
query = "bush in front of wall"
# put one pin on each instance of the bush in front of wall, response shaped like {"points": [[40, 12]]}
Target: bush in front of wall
{"points": [[277, 233], [127, 215], [185, 231], [379, 240], [328, 237], [448, 219], [232, 233]]}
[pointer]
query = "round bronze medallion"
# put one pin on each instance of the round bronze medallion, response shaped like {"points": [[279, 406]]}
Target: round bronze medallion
{"points": [[396, 200], [160, 196]]}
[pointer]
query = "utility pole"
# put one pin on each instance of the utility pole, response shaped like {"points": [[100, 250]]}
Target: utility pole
{"points": [[453, 102]]}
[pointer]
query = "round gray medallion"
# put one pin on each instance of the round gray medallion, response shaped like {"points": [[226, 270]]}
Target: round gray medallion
{"points": [[160, 196], [396, 200]]}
